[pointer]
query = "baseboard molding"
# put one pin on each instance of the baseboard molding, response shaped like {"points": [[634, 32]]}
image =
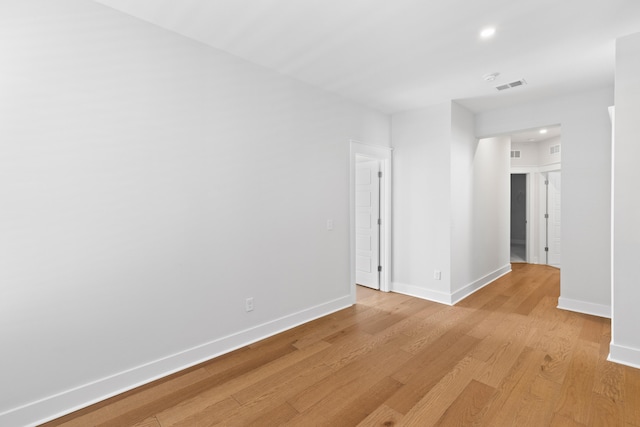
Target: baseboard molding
{"points": [[461, 294], [418, 292], [446, 298], [584, 307], [55, 406], [624, 355]]}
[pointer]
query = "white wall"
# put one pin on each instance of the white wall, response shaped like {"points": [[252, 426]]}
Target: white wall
{"points": [[625, 345], [149, 184], [586, 169], [545, 157], [528, 154], [479, 206], [421, 201], [450, 202], [536, 153]]}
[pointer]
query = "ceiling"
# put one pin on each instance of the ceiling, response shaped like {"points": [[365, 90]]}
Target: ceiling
{"points": [[534, 135], [406, 54]]}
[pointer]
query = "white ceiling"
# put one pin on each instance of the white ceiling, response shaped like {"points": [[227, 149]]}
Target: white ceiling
{"points": [[396, 55], [534, 135]]}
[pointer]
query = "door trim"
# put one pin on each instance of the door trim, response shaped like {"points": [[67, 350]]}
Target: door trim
{"points": [[383, 154]]}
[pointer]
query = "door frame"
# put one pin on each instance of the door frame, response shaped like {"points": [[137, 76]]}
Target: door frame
{"points": [[382, 154]]}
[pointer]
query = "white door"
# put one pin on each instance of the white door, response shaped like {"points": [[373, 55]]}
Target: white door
{"points": [[367, 223], [554, 219]]}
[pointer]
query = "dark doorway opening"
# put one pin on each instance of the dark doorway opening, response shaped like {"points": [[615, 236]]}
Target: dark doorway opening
{"points": [[518, 217]]}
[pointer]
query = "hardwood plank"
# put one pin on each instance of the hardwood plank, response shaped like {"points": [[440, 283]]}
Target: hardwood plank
{"points": [[277, 416], [505, 355], [431, 329], [575, 397], [309, 370], [468, 407], [558, 341], [429, 409], [197, 412], [491, 342], [604, 412], [459, 322], [513, 387], [364, 373], [496, 320], [609, 380], [632, 395], [350, 406], [591, 329], [562, 421], [543, 395], [275, 396], [425, 371], [335, 323], [532, 300], [383, 416], [149, 422]]}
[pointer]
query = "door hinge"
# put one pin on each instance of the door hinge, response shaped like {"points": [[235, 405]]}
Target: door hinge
{"points": [[546, 216], [546, 182], [379, 268], [546, 249], [379, 221], [379, 174]]}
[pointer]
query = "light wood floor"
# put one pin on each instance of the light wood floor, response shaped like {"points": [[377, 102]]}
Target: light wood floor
{"points": [[505, 356]]}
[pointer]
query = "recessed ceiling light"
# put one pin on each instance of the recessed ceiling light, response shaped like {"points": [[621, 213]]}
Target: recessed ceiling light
{"points": [[543, 131], [487, 32], [531, 139]]}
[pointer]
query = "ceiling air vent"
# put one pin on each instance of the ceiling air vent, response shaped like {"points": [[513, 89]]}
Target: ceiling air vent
{"points": [[517, 83]]}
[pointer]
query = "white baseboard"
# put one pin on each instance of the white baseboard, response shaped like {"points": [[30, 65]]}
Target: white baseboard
{"points": [[418, 292], [461, 294], [49, 408], [584, 307], [624, 355], [446, 298]]}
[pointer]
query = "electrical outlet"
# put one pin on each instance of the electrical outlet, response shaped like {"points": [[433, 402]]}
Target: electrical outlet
{"points": [[329, 224], [437, 274], [248, 304]]}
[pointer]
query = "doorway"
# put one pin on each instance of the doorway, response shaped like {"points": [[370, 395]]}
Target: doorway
{"points": [[518, 217], [370, 216], [536, 164]]}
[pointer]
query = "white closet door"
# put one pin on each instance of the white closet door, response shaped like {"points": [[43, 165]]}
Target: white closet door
{"points": [[367, 227]]}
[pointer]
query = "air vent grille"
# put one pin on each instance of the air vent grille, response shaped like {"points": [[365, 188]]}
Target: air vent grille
{"points": [[515, 154], [517, 83]]}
